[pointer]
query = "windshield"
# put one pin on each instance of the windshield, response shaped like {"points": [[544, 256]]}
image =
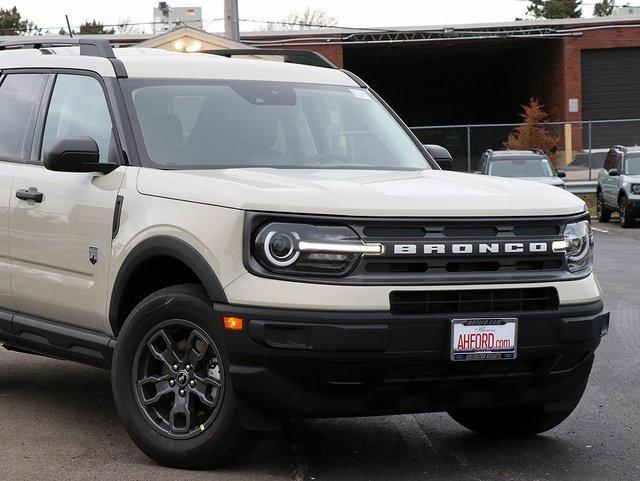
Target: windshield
{"points": [[536, 167], [224, 124], [633, 164]]}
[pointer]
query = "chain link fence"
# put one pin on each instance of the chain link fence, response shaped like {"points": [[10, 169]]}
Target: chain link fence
{"points": [[579, 148]]}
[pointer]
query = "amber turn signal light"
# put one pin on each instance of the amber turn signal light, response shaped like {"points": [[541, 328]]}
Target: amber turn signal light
{"points": [[232, 323]]}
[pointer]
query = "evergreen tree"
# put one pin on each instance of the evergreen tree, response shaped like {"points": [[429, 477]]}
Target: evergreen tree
{"points": [[94, 27], [12, 23], [555, 8], [604, 8]]}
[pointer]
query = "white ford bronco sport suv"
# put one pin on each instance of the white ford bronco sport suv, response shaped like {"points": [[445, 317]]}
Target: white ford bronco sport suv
{"points": [[243, 241]]}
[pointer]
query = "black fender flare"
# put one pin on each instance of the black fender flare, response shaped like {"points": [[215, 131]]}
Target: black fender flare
{"points": [[621, 193], [164, 246]]}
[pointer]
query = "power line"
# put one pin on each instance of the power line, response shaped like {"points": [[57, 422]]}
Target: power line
{"points": [[107, 25], [312, 25], [250, 20], [177, 23], [363, 30], [517, 30]]}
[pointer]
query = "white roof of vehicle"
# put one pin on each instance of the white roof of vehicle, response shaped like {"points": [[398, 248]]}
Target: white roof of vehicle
{"points": [[156, 63], [519, 153]]}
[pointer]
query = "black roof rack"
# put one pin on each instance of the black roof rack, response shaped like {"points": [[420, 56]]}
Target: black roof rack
{"points": [[303, 57], [88, 46]]}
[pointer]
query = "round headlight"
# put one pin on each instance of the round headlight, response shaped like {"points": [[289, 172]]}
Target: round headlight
{"points": [[281, 245], [280, 248], [298, 249], [635, 188]]}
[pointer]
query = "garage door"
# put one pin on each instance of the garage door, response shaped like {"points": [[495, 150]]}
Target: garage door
{"points": [[611, 90], [611, 84]]}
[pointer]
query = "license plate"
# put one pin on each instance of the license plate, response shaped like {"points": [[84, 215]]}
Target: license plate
{"points": [[483, 339]]}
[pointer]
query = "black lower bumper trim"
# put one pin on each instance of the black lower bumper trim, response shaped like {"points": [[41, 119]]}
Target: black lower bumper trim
{"points": [[319, 337], [323, 364]]}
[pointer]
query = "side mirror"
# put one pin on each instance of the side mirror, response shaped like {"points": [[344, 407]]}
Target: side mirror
{"points": [[440, 155], [561, 173], [445, 164], [76, 154], [614, 172]]}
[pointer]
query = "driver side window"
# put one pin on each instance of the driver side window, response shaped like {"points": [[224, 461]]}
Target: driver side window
{"points": [[78, 108]]}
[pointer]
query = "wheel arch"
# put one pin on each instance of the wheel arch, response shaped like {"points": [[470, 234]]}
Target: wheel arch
{"points": [[621, 193], [155, 248]]}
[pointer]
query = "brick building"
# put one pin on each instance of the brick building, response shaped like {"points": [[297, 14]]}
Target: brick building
{"points": [[581, 69]]}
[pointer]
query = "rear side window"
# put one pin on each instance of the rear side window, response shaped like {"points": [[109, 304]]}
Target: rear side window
{"points": [[79, 108], [20, 96]]}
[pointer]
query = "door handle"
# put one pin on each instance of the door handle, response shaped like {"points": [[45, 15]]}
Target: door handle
{"points": [[30, 194]]}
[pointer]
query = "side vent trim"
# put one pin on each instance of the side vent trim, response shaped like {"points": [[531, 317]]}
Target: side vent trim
{"points": [[116, 217]]}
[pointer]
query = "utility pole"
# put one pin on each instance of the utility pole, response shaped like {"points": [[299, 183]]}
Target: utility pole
{"points": [[231, 23]]}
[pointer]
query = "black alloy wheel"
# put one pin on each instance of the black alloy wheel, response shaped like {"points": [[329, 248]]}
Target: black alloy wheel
{"points": [[171, 383], [179, 379], [627, 214]]}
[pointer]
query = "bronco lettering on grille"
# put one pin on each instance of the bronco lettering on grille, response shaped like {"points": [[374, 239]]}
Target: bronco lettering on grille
{"points": [[471, 248]]}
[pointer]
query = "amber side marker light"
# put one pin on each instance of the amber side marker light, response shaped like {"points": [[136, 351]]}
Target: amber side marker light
{"points": [[232, 323]]}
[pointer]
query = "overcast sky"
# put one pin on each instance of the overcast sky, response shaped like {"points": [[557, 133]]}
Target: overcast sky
{"points": [[356, 13]]}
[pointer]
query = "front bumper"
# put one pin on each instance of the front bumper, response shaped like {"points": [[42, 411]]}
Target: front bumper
{"points": [[254, 291], [634, 201], [295, 363]]}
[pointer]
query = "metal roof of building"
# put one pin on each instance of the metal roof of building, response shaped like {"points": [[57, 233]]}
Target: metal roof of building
{"points": [[568, 23], [514, 29]]}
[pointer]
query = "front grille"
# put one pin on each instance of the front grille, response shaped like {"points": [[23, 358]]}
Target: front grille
{"points": [[474, 301], [426, 251], [476, 268]]}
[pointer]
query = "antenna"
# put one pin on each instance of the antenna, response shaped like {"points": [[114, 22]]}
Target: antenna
{"points": [[68, 26]]}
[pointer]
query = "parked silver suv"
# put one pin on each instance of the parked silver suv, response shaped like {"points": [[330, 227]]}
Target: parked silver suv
{"points": [[531, 165], [619, 185]]}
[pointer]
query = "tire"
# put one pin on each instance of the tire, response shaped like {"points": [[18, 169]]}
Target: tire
{"points": [[604, 214], [521, 421], [171, 384], [510, 422], [627, 214]]}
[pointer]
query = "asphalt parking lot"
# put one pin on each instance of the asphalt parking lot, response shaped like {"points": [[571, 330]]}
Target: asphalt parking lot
{"points": [[58, 421]]}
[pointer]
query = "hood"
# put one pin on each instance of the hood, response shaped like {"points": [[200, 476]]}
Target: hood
{"points": [[429, 193], [557, 181]]}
